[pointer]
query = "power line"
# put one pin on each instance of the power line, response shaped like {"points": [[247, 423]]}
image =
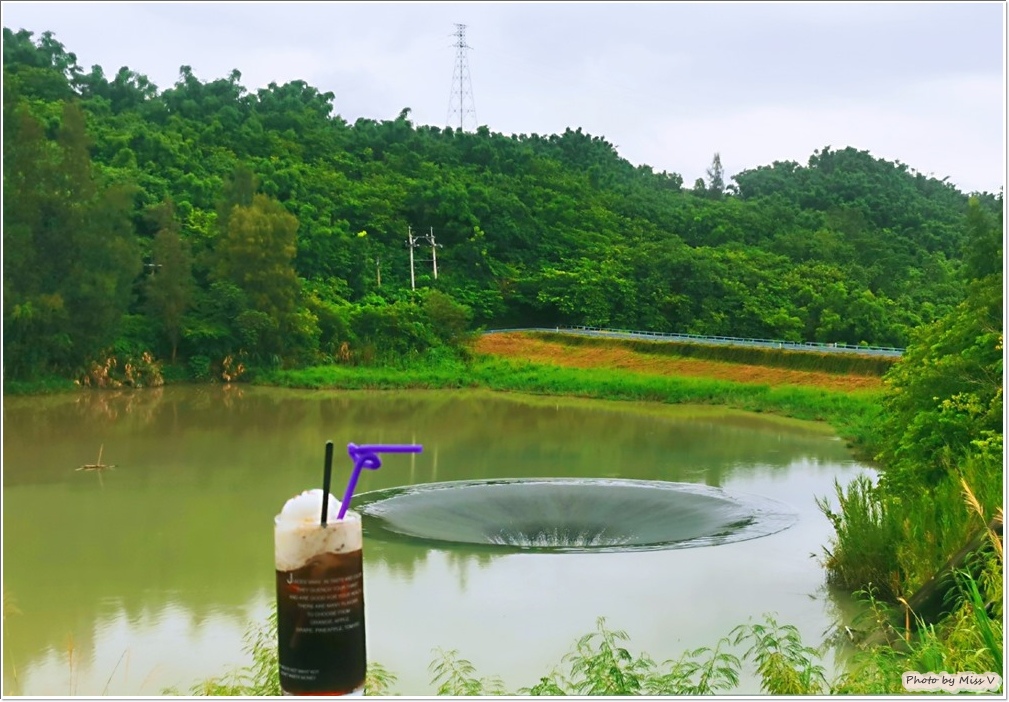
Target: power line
{"points": [[434, 251], [412, 242], [461, 105]]}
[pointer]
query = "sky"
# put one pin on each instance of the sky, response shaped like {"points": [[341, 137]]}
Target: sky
{"points": [[667, 84]]}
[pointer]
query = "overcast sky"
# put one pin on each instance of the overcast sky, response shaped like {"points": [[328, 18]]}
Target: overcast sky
{"points": [[668, 84]]}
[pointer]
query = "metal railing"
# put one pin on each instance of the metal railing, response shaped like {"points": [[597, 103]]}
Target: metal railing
{"points": [[809, 346]]}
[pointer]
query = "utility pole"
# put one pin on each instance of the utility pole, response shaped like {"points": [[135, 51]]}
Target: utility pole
{"points": [[461, 84], [378, 270], [412, 242], [434, 252]]}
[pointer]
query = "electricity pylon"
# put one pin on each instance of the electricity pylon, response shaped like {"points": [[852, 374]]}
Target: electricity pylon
{"points": [[461, 105]]}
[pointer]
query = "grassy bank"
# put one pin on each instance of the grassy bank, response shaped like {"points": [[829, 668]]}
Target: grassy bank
{"points": [[851, 414], [839, 363], [40, 386]]}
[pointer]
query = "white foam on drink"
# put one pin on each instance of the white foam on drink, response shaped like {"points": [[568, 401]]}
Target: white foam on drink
{"points": [[299, 534]]}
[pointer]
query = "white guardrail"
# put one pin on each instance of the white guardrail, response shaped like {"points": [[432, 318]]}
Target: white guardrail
{"points": [[812, 346]]}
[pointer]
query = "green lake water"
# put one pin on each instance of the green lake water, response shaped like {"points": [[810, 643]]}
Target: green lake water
{"points": [[145, 576]]}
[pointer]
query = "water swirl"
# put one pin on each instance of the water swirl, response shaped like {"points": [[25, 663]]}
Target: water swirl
{"points": [[570, 515]]}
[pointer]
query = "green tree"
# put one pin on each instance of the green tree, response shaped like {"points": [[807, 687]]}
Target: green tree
{"points": [[448, 319], [716, 178], [44, 69], [170, 285], [983, 247], [256, 253], [71, 256], [238, 191], [946, 393]]}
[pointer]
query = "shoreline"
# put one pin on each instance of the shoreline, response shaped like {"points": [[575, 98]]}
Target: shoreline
{"points": [[850, 413]]}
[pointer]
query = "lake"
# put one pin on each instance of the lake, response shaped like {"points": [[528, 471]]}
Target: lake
{"points": [[145, 576]]}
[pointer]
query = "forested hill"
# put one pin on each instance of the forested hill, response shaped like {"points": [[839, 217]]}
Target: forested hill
{"points": [[205, 223]]}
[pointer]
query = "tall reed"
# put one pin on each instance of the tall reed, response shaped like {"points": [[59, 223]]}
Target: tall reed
{"points": [[864, 549]]}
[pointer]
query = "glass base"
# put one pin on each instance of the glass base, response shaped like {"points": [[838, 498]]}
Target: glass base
{"points": [[359, 692]]}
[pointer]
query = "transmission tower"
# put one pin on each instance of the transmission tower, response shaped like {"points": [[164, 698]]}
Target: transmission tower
{"points": [[461, 107]]}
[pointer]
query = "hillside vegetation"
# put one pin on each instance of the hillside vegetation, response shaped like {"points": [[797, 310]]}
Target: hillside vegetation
{"points": [[215, 230]]}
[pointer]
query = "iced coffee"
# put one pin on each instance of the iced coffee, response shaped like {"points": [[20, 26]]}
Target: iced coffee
{"points": [[320, 599]]}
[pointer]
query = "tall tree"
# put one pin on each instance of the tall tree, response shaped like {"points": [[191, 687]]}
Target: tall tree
{"points": [[71, 252], [983, 248], [238, 191], [169, 286], [256, 253], [716, 177]]}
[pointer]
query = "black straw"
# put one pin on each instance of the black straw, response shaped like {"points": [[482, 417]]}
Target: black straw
{"points": [[327, 477]]}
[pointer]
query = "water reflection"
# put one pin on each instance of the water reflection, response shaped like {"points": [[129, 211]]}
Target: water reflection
{"points": [[472, 432], [175, 544], [403, 561], [124, 652]]}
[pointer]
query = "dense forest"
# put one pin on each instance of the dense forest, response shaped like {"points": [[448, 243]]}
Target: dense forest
{"points": [[208, 229]]}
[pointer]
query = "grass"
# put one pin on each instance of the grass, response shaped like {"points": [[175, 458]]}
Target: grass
{"points": [[598, 664], [842, 363], [615, 356], [40, 386], [865, 546], [852, 414], [894, 544], [851, 409], [969, 640]]}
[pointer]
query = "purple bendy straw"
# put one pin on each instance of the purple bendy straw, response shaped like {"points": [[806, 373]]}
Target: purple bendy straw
{"points": [[366, 456]]}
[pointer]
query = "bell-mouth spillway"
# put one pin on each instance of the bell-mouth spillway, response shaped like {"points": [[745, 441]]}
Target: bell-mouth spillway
{"points": [[570, 514]]}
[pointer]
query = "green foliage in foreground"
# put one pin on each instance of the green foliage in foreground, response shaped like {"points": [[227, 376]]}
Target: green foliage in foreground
{"points": [[941, 441], [970, 639], [599, 663], [261, 677]]}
